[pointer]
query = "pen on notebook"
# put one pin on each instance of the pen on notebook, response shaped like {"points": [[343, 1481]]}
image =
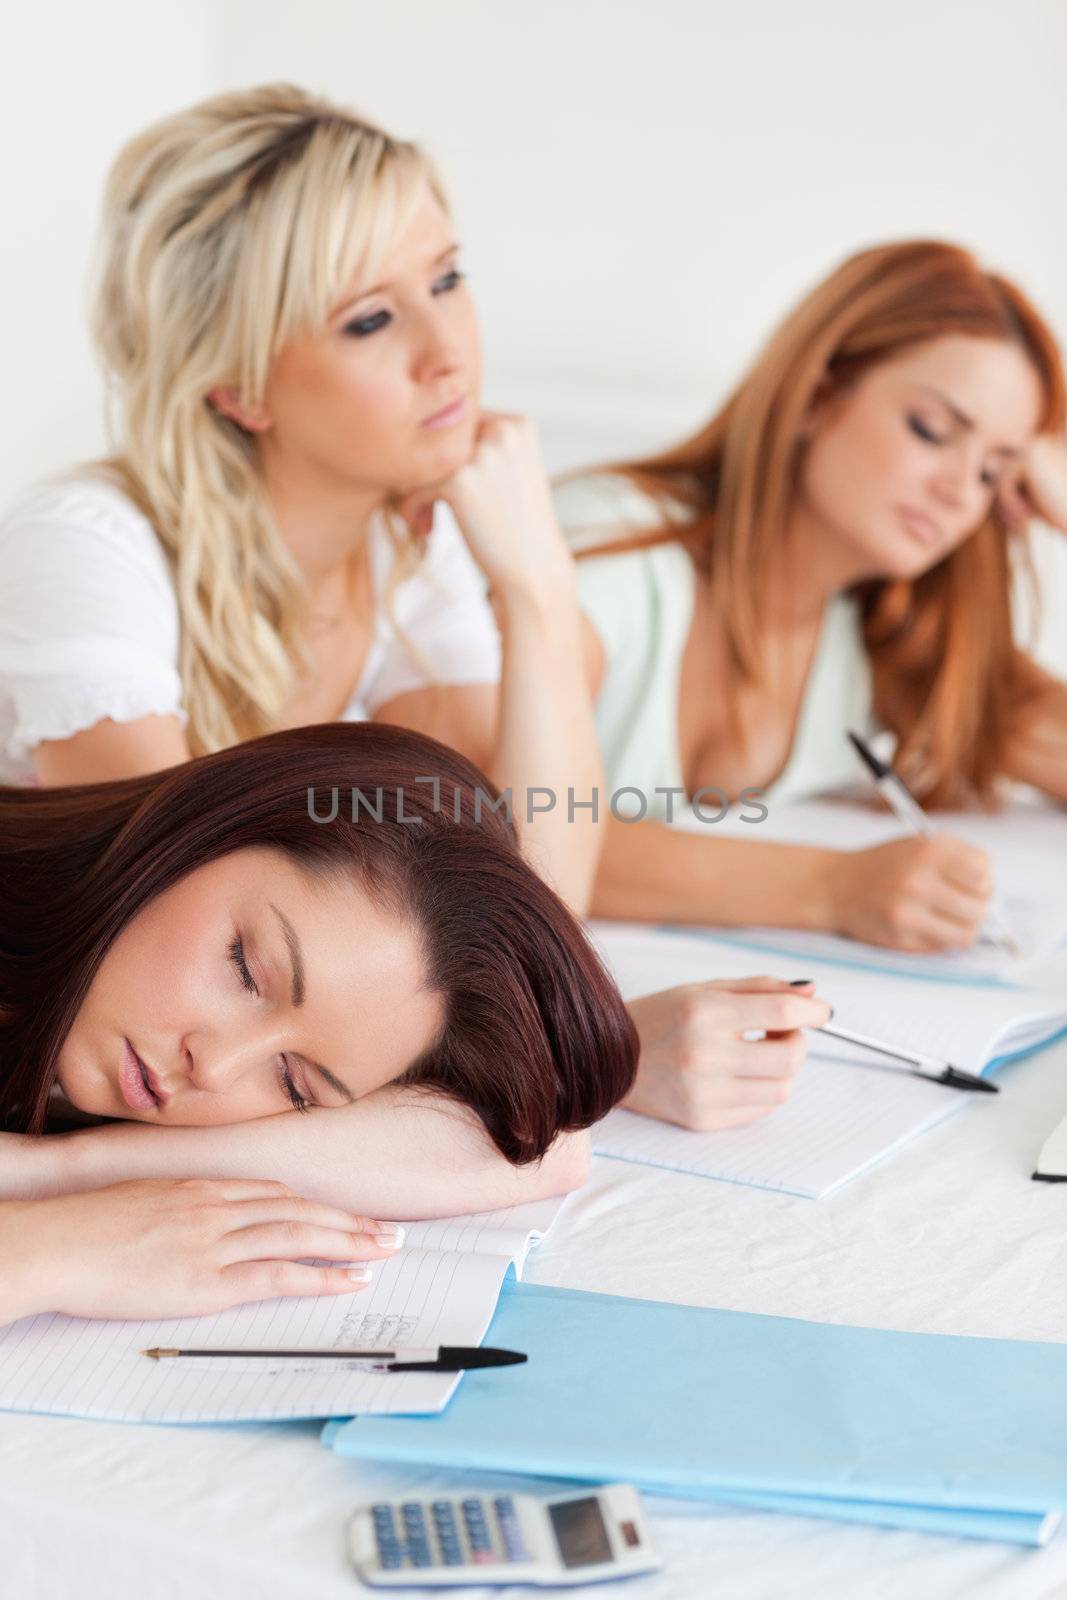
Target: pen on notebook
{"points": [[438, 1358], [921, 1066], [904, 806]]}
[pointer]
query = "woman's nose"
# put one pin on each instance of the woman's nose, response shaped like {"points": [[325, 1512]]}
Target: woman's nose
{"points": [[957, 481], [218, 1061], [439, 350]]}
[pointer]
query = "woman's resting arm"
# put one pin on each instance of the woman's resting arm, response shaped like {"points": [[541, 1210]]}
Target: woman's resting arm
{"points": [[396, 1154]]}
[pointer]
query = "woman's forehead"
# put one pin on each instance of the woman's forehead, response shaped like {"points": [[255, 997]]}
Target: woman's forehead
{"points": [[989, 384]]}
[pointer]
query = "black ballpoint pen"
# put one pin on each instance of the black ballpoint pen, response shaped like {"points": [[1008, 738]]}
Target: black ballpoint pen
{"points": [[920, 1066], [438, 1358]]}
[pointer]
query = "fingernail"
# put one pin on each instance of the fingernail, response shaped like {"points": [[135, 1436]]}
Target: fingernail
{"points": [[390, 1235], [360, 1274], [800, 983]]}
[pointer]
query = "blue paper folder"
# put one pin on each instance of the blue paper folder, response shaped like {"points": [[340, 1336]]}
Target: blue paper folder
{"points": [[925, 1431]]}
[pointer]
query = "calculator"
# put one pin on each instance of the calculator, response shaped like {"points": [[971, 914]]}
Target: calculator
{"points": [[503, 1538]]}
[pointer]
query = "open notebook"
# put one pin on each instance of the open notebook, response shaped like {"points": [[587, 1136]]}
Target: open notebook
{"points": [[442, 1288], [1022, 842], [848, 1109]]}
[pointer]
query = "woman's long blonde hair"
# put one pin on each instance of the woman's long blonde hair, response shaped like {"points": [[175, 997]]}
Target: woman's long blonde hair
{"points": [[228, 230], [949, 679]]}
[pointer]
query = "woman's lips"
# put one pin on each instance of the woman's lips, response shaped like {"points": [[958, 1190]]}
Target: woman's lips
{"points": [[449, 416], [132, 1084], [921, 527]]}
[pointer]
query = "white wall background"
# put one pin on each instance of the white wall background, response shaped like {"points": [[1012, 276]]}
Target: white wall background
{"points": [[643, 186]]}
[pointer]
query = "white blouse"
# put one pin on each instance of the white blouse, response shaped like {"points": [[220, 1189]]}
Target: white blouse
{"points": [[89, 621], [641, 604]]}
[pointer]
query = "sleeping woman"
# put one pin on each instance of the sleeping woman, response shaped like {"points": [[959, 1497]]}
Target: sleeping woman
{"points": [[319, 954]]}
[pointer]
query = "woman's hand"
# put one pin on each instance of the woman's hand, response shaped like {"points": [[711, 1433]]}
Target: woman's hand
{"points": [[1040, 489], [503, 504], [165, 1247], [928, 893], [698, 1069]]}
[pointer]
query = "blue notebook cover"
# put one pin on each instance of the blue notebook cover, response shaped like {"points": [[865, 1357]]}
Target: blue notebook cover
{"points": [[907, 1430]]}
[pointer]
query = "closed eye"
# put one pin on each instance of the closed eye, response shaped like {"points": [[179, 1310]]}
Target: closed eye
{"points": [[237, 956], [924, 431], [285, 1077]]}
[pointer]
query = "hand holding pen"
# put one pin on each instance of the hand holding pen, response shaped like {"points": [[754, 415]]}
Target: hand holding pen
{"points": [[923, 893]]}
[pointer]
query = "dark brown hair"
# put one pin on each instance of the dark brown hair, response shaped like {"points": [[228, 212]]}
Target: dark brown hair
{"points": [[535, 1038]]}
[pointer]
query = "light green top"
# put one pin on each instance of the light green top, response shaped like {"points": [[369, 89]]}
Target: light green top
{"points": [[641, 604]]}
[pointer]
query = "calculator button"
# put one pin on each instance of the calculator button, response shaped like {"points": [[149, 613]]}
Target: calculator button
{"points": [[451, 1555], [391, 1559]]}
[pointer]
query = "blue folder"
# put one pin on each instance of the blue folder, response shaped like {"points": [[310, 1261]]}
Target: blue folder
{"points": [[926, 1431]]}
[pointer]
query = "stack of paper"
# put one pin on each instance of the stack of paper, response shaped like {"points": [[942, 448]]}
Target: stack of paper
{"points": [[441, 1289], [848, 1108], [925, 1431]]}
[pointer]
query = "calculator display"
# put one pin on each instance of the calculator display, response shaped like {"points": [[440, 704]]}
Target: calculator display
{"points": [[580, 1532]]}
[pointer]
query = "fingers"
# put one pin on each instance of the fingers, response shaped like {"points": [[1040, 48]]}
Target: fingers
{"points": [[297, 1239], [242, 1189], [782, 1012], [278, 1280], [966, 867], [288, 1206], [760, 985], [777, 1056], [768, 1092]]}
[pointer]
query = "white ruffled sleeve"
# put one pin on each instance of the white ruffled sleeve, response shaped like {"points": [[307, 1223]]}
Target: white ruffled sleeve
{"points": [[89, 622], [445, 630]]}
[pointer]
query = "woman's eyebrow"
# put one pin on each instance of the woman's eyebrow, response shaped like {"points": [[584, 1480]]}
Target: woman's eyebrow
{"points": [[335, 1083], [299, 991], [963, 419]]}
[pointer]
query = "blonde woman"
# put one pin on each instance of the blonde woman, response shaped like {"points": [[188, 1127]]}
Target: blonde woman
{"points": [[299, 524], [294, 357], [832, 550]]}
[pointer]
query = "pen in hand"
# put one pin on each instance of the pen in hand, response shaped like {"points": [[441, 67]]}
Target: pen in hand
{"points": [[906, 809]]}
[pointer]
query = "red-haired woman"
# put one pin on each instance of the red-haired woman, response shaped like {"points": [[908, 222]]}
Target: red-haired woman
{"points": [[834, 549], [331, 917]]}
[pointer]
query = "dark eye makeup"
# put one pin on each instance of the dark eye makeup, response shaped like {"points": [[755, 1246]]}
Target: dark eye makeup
{"points": [[923, 431], [237, 957], [363, 327]]}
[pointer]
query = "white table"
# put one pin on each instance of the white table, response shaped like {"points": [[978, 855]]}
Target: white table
{"points": [[948, 1236]]}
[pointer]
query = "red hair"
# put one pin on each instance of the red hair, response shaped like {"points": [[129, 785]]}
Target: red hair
{"points": [[949, 679]]}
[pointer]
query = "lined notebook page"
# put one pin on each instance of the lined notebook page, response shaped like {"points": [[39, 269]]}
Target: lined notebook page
{"points": [[847, 1109], [1021, 840], [423, 1296], [837, 1123]]}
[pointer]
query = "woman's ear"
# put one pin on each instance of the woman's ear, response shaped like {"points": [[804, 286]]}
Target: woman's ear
{"points": [[225, 399]]}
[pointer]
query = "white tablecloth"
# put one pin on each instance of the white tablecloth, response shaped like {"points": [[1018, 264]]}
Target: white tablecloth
{"points": [[948, 1236]]}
